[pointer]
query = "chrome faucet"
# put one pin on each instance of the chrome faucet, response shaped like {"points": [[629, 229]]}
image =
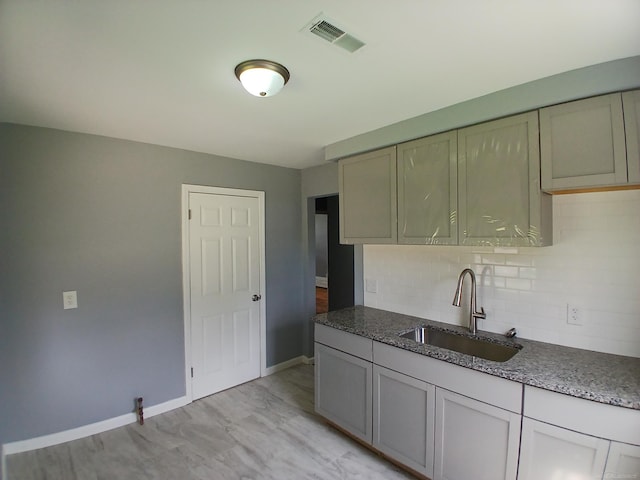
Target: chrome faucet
{"points": [[473, 314]]}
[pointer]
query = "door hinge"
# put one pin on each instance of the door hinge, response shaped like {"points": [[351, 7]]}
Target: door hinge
{"points": [[189, 214], [191, 372]]}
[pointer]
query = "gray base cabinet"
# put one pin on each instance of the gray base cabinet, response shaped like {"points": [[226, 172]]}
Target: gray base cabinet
{"points": [[623, 461], [452, 423], [403, 419], [344, 390], [547, 449], [474, 439], [582, 144], [580, 438]]}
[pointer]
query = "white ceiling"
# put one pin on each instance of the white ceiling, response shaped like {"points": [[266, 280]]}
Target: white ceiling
{"points": [[161, 71]]}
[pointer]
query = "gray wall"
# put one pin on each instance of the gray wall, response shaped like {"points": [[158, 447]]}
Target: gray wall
{"points": [[102, 216], [606, 77]]}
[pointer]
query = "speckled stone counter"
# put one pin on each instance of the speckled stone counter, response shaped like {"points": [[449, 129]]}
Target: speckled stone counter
{"points": [[601, 377]]}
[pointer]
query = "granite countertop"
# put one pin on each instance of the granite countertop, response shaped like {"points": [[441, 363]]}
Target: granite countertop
{"points": [[601, 377]]}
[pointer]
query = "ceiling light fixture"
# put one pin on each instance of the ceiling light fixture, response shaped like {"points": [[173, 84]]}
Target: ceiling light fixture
{"points": [[262, 78]]}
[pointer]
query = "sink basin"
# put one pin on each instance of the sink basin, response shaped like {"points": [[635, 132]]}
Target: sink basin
{"points": [[458, 343]]}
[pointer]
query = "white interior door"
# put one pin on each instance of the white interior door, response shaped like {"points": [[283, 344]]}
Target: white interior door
{"points": [[224, 264]]}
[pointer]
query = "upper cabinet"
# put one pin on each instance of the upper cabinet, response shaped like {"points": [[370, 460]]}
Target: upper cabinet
{"points": [[367, 184], [428, 190], [475, 186], [631, 107], [582, 144], [500, 202]]}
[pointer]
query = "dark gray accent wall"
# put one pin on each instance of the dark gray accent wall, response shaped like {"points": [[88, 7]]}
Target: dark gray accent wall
{"points": [[340, 261], [102, 216], [322, 253]]}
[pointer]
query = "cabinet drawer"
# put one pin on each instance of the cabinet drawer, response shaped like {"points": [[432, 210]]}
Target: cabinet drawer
{"points": [[347, 342], [592, 418], [481, 386]]}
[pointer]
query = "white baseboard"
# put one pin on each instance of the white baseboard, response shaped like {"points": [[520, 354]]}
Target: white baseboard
{"points": [[86, 430], [287, 364], [111, 423], [322, 282], [3, 471]]}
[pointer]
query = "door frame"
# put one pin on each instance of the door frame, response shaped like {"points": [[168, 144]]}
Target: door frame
{"points": [[186, 272]]}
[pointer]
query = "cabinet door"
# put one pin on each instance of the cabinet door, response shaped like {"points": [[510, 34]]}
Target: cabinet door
{"points": [[548, 452], [343, 390], [500, 201], [427, 190], [367, 186], [403, 416], [631, 106], [623, 461], [582, 144], [474, 439]]}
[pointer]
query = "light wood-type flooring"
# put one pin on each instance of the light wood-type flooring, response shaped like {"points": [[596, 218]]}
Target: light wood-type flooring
{"points": [[264, 429]]}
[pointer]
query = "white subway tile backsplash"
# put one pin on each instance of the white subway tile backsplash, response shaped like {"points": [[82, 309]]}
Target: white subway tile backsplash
{"points": [[593, 264]]}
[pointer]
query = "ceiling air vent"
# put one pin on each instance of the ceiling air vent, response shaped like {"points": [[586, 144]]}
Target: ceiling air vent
{"points": [[325, 29]]}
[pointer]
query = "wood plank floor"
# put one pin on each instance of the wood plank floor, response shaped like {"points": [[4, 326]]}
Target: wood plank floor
{"points": [[263, 429], [322, 300]]}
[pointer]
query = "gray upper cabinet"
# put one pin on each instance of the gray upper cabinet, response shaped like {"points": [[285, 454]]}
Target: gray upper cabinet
{"points": [[499, 197], [427, 190], [582, 144], [368, 199], [631, 106]]}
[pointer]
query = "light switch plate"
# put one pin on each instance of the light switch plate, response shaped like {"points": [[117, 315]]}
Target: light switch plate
{"points": [[70, 300]]}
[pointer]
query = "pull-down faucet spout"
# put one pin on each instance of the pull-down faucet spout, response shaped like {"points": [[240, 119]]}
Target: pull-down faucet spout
{"points": [[473, 313]]}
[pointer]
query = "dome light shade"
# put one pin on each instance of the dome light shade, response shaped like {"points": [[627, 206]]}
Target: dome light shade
{"points": [[262, 78]]}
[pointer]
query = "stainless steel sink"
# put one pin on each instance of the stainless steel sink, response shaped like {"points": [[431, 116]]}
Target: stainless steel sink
{"points": [[459, 343]]}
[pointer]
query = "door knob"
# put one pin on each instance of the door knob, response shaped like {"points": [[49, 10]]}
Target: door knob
{"points": [[255, 298]]}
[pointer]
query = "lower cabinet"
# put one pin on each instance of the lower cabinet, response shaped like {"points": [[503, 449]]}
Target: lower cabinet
{"points": [[403, 419], [452, 423], [550, 452], [570, 438], [623, 461], [474, 440], [343, 385]]}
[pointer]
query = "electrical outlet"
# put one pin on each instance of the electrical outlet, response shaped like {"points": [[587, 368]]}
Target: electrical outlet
{"points": [[69, 300], [574, 316]]}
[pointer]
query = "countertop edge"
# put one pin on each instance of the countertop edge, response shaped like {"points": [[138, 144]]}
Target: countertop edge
{"points": [[504, 370]]}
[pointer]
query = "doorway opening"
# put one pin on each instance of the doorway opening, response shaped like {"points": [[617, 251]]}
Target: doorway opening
{"points": [[334, 262]]}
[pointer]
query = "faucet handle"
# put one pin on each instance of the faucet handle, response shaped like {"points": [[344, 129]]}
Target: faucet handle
{"points": [[480, 314]]}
